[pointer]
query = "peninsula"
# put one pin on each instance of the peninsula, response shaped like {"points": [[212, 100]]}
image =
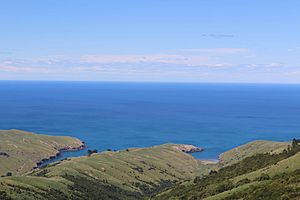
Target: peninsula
{"points": [[22, 151]]}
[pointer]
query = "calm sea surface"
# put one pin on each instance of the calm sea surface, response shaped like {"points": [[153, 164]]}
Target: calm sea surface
{"points": [[121, 115]]}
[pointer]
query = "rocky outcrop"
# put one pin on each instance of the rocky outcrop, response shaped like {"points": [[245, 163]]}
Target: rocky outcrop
{"points": [[188, 148], [71, 148]]}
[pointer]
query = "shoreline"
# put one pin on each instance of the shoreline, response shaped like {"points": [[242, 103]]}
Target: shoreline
{"points": [[51, 159], [210, 161], [185, 148]]}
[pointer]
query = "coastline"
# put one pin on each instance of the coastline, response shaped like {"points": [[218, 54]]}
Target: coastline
{"points": [[51, 159], [210, 161], [185, 148]]}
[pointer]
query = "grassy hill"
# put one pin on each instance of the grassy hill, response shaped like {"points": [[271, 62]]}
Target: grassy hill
{"points": [[129, 174], [256, 147], [276, 181], [20, 150], [264, 175], [257, 170]]}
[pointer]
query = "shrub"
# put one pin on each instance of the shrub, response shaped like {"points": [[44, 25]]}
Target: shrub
{"points": [[90, 152], [264, 177], [212, 172], [242, 182], [9, 174]]}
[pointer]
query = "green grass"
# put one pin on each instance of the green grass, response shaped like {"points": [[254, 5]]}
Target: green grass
{"points": [[282, 186], [270, 172], [285, 166], [260, 146], [279, 173], [164, 172], [132, 173], [22, 150]]}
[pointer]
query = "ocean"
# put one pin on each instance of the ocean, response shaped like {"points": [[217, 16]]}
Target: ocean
{"points": [[116, 115]]}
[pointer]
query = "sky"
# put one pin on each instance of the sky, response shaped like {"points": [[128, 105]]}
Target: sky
{"points": [[255, 41]]}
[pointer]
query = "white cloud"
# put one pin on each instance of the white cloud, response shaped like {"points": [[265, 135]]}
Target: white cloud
{"points": [[274, 65], [181, 65], [188, 57], [217, 50], [24, 69], [191, 60], [204, 58]]}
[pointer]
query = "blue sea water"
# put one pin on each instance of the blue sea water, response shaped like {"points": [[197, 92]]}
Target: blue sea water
{"points": [[119, 115]]}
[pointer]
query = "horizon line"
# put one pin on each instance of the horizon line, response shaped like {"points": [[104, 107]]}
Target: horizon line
{"points": [[151, 82]]}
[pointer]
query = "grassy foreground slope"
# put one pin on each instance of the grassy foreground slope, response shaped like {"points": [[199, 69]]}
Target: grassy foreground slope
{"points": [[128, 174], [256, 147], [277, 181], [20, 150], [269, 175]]}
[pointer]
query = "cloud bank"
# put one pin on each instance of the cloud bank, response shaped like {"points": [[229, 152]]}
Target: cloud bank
{"points": [[201, 65]]}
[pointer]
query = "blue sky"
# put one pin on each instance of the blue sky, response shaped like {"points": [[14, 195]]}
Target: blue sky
{"points": [[158, 40]]}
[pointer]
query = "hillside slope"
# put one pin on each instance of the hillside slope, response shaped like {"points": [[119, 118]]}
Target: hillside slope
{"points": [[259, 146], [268, 175], [20, 151], [128, 174], [277, 181], [257, 170]]}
